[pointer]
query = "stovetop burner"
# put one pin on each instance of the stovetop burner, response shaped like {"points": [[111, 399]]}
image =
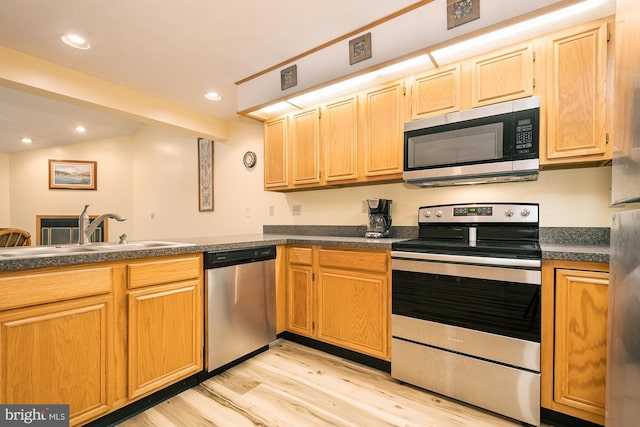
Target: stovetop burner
{"points": [[528, 250], [504, 230]]}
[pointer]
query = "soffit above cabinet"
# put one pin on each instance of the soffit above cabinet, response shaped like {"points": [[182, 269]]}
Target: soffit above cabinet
{"points": [[421, 30]]}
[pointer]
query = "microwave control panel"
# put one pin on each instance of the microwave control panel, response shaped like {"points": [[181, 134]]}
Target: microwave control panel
{"points": [[526, 133]]}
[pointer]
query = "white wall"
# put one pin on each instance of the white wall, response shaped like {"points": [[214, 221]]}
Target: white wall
{"points": [[155, 172], [5, 215], [31, 196], [568, 198]]}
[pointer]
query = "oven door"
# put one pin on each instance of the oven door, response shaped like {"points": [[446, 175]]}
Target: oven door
{"points": [[486, 311]]}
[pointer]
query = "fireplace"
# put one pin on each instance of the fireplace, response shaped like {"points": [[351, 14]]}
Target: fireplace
{"points": [[62, 230]]}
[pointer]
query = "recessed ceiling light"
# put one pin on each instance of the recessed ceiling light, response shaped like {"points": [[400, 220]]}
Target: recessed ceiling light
{"points": [[26, 140], [213, 96], [80, 129], [75, 41]]}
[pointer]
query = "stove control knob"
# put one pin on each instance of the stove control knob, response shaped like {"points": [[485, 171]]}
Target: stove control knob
{"points": [[525, 212], [509, 212], [439, 214], [427, 214]]}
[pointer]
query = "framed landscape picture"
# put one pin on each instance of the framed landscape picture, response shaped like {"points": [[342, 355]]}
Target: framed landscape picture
{"points": [[73, 174]]}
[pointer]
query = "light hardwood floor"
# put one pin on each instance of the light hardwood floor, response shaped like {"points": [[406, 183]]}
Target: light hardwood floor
{"points": [[294, 385]]}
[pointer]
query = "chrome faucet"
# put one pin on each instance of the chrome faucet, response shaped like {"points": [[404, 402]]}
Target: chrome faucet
{"points": [[86, 228]]}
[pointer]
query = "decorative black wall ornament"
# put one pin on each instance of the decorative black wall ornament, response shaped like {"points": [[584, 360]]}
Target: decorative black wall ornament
{"points": [[288, 77], [360, 48], [462, 11]]}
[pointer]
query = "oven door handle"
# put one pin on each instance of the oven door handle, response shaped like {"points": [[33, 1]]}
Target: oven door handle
{"points": [[504, 274], [506, 262]]}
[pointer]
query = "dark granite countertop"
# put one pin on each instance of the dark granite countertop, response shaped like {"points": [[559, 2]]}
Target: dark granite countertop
{"points": [[577, 244], [195, 245]]}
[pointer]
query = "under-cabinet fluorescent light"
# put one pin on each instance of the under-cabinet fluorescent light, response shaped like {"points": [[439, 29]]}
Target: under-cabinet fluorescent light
{"points": [[404, 65], [465, 48], [26, 140], [329, 91], [280, 107]]}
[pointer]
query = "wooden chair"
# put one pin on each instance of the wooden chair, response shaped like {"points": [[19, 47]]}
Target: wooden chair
{"points": [[10, 237]]}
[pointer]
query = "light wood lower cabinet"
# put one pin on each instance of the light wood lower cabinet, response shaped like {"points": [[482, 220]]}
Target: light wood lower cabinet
{"points": [[574, 338], [165, 322], [56, 339], [341, 296], [300, 296], [59, 354], [99, 336]]}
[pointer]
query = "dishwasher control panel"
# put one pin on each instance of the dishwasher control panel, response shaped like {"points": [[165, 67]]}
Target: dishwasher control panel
{"points": [[238, 256]]}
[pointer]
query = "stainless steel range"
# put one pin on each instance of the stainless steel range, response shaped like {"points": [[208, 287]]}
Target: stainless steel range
{"points": [[466, 306]]}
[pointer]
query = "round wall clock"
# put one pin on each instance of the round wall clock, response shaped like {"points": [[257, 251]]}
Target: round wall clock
{"points": [[249, 159]]}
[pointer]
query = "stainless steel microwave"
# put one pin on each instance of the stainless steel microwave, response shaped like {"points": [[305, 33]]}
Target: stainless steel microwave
{"points": [[494, 143]]}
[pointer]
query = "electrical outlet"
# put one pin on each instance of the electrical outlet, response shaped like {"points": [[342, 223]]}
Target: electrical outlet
{"points": [[153, 215], [365, 206], [296, 210], [247, 212], [271, 210]]}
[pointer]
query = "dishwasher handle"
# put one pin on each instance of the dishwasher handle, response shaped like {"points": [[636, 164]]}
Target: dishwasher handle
{"points": [[220, 259]]}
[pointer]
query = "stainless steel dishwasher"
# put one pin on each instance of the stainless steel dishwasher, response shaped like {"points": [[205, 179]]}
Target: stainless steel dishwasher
{"points": [[240, 312]]}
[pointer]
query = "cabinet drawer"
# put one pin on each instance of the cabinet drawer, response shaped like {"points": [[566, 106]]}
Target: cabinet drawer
{"points": [[301, 256], [161, 271], [366, 261], [40, 288]]}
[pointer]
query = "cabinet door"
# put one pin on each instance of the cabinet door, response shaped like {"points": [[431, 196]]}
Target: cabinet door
{"points": [[165, 335], [60, 354], [300, 291], [275, 153], [305, 147], [581, 340], [383, 131], [503, 76], [340, 140], [577, 96], [353, 301], [436, 93]]}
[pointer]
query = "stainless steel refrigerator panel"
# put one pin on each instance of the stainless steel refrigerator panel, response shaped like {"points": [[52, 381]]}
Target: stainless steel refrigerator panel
{"points": [[241, 311], [623, 361]]}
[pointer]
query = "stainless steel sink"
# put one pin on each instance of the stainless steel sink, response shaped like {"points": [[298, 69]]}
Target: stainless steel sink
{"points": [[146, 244], [43, 251]]}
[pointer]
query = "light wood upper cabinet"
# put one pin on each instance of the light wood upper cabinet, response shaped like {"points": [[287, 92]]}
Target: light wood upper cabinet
{"points": [[502, 76], [304, 145], [576, 96], [383, 130], [340, 139], [436, 92], [574, 338], [275, 153]]}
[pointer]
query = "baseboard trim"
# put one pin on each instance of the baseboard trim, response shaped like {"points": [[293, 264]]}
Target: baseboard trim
{"points": [[116, 417], [558, 419], [370, 361]]}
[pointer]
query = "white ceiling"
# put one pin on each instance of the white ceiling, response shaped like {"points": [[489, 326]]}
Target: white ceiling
{"points": [[171, 49]]}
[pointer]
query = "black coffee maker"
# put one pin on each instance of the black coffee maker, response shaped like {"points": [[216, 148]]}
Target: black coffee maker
{"points": [[379, 218]]}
